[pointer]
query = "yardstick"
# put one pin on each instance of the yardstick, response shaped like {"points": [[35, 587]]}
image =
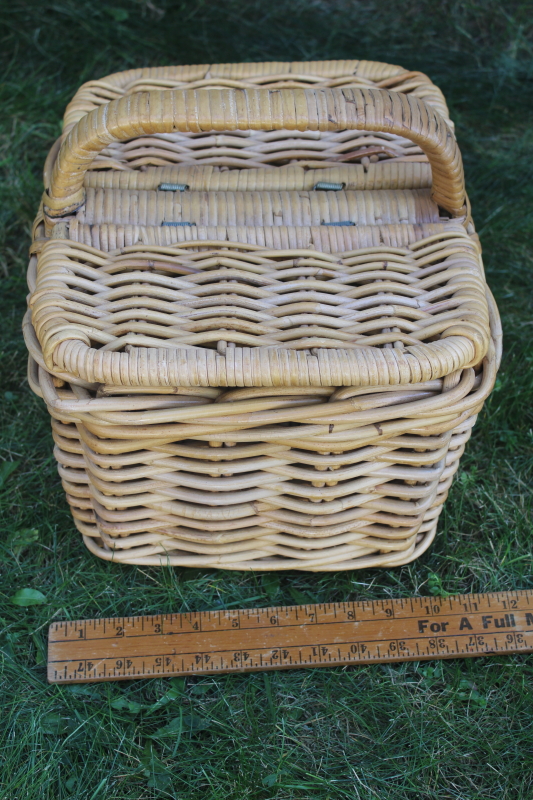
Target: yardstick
{"points": [[284, 637]]}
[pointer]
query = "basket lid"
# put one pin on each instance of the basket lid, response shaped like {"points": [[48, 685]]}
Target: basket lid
{"points": [[216, 313]]}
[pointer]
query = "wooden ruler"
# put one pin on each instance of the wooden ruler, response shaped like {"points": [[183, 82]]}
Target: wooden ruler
{"points": [[284, 637]]}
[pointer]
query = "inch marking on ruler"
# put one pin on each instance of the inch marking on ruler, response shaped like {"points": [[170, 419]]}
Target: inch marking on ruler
{"points": [[284, 637]]}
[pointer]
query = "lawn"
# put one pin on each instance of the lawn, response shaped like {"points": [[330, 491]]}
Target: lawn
{"points": [[460, 729]]}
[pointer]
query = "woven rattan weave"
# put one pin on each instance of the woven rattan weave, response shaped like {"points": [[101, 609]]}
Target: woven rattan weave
{"points": [[258, 314]]}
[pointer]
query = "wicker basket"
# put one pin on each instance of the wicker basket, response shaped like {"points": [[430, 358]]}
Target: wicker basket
{"points": [[258, 314]]}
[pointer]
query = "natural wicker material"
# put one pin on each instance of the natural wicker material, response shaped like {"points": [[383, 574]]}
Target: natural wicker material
{"points": [[348, 303], [258, 209], [390, 174], [156, 318], [325, 238], [249, 149], [269, 74], [257, 109]]}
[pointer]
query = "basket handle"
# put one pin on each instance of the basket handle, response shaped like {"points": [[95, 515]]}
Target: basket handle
{"points": [[257, 109]]}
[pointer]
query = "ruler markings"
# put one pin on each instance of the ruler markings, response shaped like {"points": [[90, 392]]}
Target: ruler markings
{"points": [[284, 637], [350, 621]]}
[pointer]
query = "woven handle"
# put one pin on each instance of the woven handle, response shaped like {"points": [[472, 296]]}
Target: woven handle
{"points": [[257, 109]]}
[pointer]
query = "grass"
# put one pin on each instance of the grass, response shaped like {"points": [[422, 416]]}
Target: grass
{"points": [[458, 730]]}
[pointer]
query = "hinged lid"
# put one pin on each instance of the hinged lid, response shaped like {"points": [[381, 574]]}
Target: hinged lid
{"points": [[226, 310], [221, 314]]}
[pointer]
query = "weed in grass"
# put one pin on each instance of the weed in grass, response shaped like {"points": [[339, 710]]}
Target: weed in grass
{"points": [[458, 730]]}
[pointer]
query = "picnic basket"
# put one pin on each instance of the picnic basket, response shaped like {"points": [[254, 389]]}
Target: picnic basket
{"points": [[258, 314]]}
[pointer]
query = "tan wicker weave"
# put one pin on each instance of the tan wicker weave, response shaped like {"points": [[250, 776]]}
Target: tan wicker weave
{"points": [[274, 366], [249, 149]]}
